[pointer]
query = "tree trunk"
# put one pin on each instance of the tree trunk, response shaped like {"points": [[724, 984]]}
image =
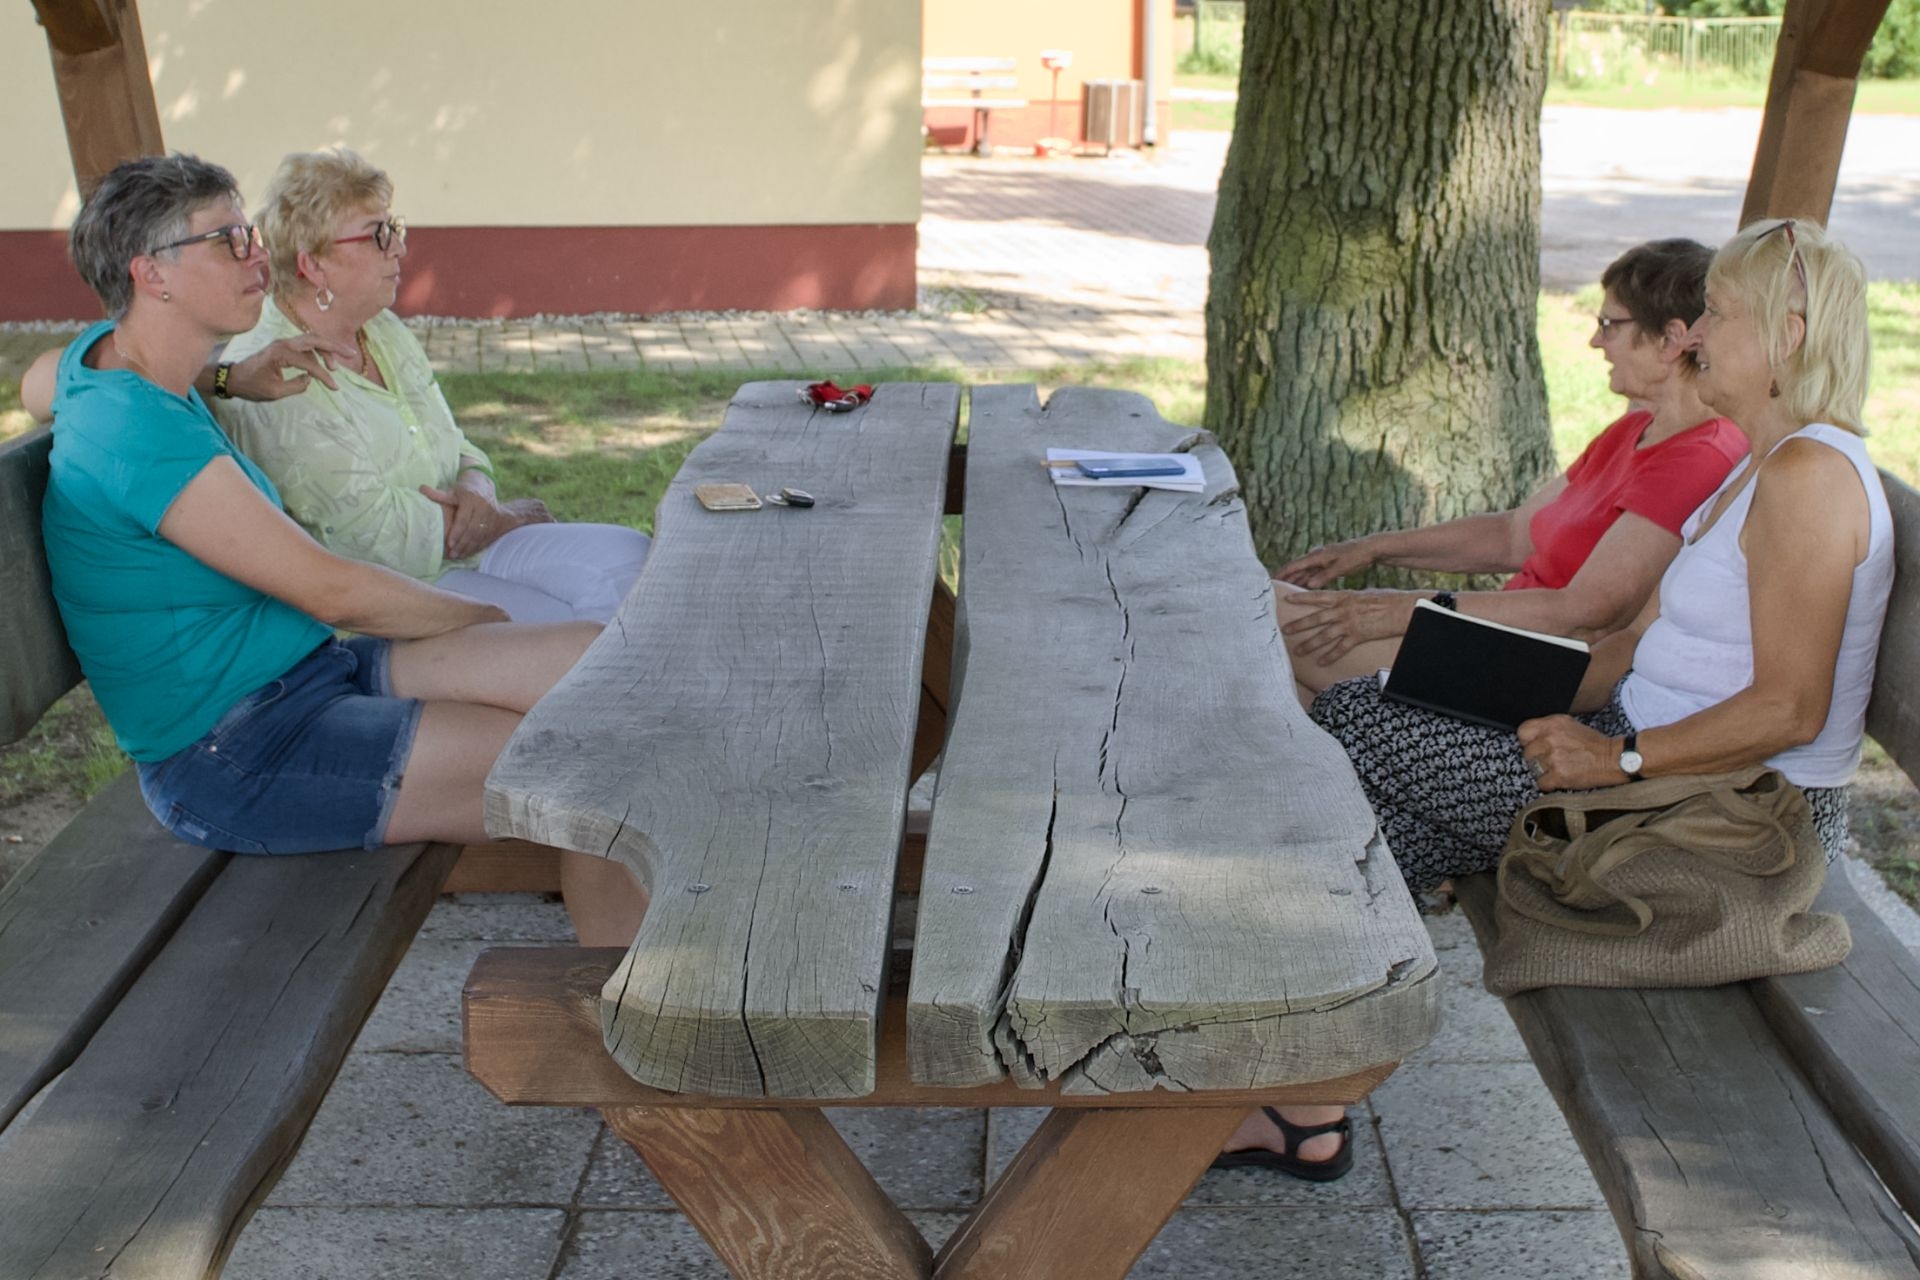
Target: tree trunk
{"points": [[1372, 359]]}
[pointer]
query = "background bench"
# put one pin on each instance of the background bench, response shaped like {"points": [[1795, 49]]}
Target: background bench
{"points": [[940, 78], [1746, 1130], [170, 1017]]}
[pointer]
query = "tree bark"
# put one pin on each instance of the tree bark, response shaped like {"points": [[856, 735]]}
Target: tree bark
{"points": [[1372, 359]]}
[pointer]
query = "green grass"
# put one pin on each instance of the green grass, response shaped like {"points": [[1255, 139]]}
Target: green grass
{"points": [[1581, 403], [1205, 80], [70, 751], [1875, 97], [1215, 117]]}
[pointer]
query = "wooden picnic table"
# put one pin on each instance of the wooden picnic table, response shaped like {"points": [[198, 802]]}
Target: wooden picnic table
{"points": [[1152, 894]]}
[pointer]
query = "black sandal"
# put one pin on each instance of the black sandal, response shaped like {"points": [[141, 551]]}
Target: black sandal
{"points": [[1334, 1167]]}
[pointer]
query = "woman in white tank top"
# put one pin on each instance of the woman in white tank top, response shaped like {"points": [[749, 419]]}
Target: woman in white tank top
{"points": [[1759, 646]]}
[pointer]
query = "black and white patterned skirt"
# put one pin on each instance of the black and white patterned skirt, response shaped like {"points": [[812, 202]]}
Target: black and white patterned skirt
{"points": [[1446, 791]]}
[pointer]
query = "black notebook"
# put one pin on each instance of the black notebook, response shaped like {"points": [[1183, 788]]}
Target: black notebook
{"points": [[1482, 671]]}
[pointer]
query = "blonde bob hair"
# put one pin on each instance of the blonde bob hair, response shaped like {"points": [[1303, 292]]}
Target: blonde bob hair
{"points": [[310, 192], [1781, 267]]}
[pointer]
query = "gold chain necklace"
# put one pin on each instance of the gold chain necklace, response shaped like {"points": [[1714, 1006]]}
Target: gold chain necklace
{"points": [[138, 365], [368, 369]]}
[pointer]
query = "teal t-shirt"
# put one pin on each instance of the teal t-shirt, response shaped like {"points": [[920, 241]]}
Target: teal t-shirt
{"points": [[168, 643]]}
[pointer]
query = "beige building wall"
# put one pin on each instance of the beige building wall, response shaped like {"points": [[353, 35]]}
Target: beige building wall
{"points": [[724, 153], [488, 113]]}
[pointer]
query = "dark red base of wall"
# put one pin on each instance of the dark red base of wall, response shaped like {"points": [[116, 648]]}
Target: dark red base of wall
{"points": [[522, 271]]}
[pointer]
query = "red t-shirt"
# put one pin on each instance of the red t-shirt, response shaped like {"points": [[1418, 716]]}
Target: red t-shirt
{"points": [[1663, 482]]}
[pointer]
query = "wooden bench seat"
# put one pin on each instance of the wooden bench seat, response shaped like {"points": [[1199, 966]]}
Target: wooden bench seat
{"points": [[1766, 1128], [975, 78], [170, 1017]]}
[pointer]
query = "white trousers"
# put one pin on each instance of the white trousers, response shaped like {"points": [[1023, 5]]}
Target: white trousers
{"points": [[555, 572]]}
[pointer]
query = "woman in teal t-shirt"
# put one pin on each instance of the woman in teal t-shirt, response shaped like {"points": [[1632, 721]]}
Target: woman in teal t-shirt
{"points": [[204, 617]]}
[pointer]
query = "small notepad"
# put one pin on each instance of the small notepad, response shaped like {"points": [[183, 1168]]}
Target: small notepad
{"points": [[1190, 480]]}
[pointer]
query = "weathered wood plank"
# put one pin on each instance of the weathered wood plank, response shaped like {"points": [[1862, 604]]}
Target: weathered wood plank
{"points": [[506, 866], [777, 1193], [1147, 868], [1715, 1156], [533, 1039], [36, 666], [740, 737], [106, 94], [1855, 1031], [1893, 717], [210, 1068], [77, 925], [1087, 1194]]}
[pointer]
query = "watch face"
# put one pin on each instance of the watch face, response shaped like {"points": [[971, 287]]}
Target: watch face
{"points": [[1630, 762]]}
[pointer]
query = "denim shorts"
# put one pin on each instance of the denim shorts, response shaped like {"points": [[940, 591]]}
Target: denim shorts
{"points": [[306, 763]]}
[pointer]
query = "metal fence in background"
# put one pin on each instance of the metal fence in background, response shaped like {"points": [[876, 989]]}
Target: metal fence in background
{"points": [[1617, 48]]}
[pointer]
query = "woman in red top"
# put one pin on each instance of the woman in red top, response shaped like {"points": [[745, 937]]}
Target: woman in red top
{"points": [[1587, 549]]}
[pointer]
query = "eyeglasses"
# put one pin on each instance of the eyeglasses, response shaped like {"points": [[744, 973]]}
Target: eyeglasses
{"points": [[384, 235], [1793, 254], [1606, 323], [242, 239]]}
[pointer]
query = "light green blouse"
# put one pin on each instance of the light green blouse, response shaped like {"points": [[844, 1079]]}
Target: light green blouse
{"points": [[349, 463]]}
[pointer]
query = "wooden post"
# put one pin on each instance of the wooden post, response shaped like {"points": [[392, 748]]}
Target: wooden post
{"points": [[106, 96], [1816, 67]]}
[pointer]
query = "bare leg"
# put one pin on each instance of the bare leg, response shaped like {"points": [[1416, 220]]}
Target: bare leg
{"points": [[604, 899], [1258, 1131], [478, 682], [499, 664], [1310, 675], [440, 796]]}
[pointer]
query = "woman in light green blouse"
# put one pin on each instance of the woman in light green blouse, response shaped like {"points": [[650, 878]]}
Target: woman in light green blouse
{"points": [[374, 466]]}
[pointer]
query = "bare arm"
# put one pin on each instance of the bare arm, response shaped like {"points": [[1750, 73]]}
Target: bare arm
{"points": [[258, 377], [36, 385], [1617, 579], [1498, 542], [223, 521], [1805, 533]]}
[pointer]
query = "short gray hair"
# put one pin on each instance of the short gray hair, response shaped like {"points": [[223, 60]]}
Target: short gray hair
{"points": [[139, 206]]}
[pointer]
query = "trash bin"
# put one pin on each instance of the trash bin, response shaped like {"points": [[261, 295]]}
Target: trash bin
{"points": [[1113, 112]]}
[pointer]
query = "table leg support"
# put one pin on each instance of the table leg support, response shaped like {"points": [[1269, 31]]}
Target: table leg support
{"points": [[1087, 1194], [777, 1194]]}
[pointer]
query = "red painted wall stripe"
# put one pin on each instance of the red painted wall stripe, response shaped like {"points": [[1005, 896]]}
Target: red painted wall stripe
{"points": [[522, 271]]}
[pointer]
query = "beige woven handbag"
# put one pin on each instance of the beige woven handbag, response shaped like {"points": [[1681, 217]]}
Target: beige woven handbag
{"points": [[1668, 882]]}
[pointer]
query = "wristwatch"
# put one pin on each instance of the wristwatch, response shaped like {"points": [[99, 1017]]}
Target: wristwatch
{"points": [[221, 372], [1630, 761]]}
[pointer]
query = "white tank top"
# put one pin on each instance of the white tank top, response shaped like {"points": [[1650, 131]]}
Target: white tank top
{"points": [[1699, 651]]}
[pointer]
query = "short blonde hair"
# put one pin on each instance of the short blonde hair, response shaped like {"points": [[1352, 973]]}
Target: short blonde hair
{"points": [[1825, 379], [310, 192]]}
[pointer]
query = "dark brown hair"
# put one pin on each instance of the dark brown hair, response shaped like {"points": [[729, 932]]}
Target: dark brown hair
{"points": [[1659, 281]]}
